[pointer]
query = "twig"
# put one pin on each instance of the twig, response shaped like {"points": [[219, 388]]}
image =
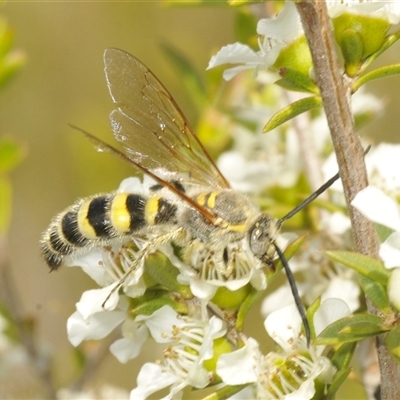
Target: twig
{"points": [[335, 93], [39, 362]]}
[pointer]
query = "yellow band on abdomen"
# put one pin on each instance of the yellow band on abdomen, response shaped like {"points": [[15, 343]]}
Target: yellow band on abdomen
{"points": [[119, 214]]}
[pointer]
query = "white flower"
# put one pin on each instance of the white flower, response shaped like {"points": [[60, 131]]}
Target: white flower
{"points": [[259, 161], [129, 347], [291, 373], [389, 10], [206, 269], [100, 392], [382, 209], [135, 332], [182, 365], [383, 166], [94, 324], [277, 33], [321, 277]]}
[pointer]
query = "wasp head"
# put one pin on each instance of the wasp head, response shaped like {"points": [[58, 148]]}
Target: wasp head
{"points": [[262, 236]]}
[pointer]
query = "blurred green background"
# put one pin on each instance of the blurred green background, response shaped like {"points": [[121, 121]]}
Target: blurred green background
{"points": [[63, 83]]}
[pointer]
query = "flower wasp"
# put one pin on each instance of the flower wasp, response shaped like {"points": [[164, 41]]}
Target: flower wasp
{"points": [[190, 203]]}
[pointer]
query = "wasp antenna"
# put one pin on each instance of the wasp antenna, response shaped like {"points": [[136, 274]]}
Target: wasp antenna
{"points": [[309, 199], [295, 293], [313, 196]]}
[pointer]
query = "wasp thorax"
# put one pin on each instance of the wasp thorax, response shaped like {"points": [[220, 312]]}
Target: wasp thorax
{"points": [[261, 237]]}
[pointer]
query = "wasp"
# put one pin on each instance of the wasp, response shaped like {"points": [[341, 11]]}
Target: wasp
{"points": [[190, 202]]}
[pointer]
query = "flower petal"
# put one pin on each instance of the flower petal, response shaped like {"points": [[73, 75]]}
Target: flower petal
{"points": [[390, 251], [240, 366], [152, 378], [284, 325], [97, 300], [330, 311], [236, 53], [285, 27], [160, 323], [97, 327], [343, 289], [127, 348], [378, 207]]}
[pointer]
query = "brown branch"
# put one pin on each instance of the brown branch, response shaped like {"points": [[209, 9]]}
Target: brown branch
{"points": [[335, 93], [40, 363]]}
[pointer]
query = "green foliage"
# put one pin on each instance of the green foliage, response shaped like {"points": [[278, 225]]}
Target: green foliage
{"points": [[225, 392], [392, 342], [383, 232], [377, 73], [337, 382], [367, 266], [191, 78], [296, 81], [245, 28], [351, 329], [296, 56], [376, 293], [11, 155], [373, 275], [160, 269], [291, 111], [343, 355], [11, 60]]}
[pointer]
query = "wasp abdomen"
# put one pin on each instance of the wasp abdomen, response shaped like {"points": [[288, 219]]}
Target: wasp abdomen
{"points": [[105, 217]]}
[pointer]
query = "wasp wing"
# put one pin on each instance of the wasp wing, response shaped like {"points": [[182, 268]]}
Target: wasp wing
{"points": [[149, 124]]}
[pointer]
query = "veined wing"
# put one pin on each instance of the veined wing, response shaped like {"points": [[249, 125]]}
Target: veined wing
{"points": [[149, 124]]}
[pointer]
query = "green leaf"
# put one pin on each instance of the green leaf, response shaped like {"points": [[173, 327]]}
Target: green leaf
{"points": [[246, 306], [160, 270], [190, 77], [294, 64], [352, 50], [10, 65], [143, 306], [376, 293], [367, 266], [5, 204], [378, 73], [11, 154], [371, 34], [342, 357], [291, 111], [337, 382], [231, 299], [392, 341], [245, 28], [6, 37], [311, 310], [297, 81], [225, 393], [389, 41], [351, 329], [383, 232]]}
